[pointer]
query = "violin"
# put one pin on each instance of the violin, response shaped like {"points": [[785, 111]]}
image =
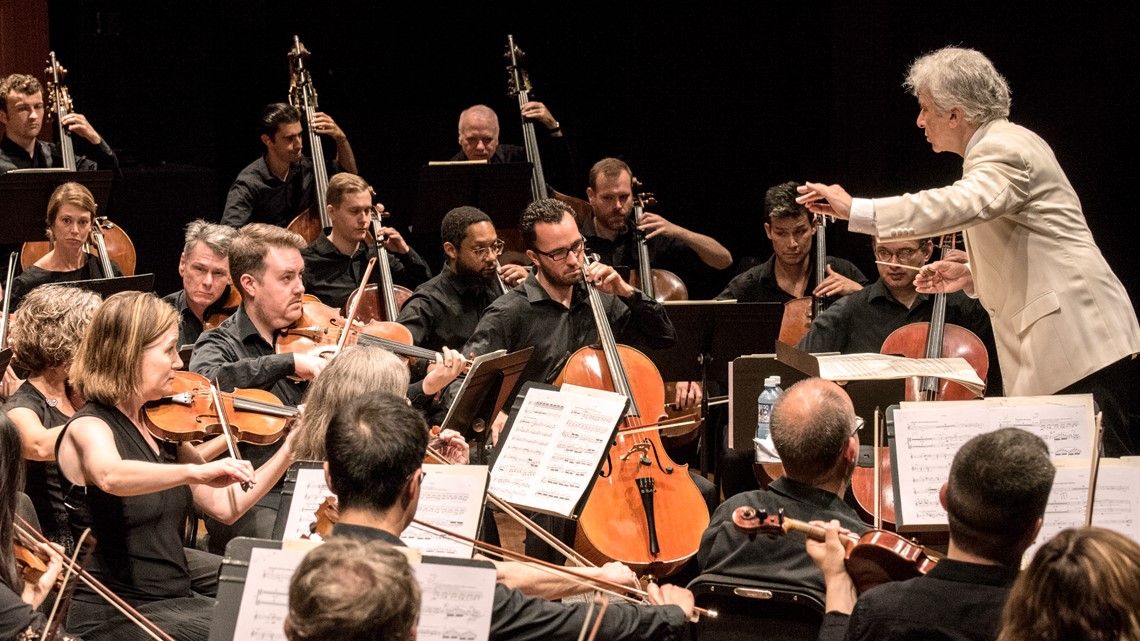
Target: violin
{"points": [[32, 562], [227, 304], [190, 414], [936, 339], [872, 558], [383, 301], [799, 312], [645, 512], [303, 96]]}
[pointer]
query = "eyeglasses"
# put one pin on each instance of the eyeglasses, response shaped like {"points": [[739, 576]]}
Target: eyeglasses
{"points": [[899, 255], [561, 253], [494, 249], [858, 425]]}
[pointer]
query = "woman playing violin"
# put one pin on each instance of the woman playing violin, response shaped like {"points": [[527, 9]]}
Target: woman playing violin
{"points": [[46, 331], [70, 212], [19, 597], [136, 492]]}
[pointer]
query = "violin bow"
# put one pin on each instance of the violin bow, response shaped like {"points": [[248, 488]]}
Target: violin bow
{"points": [[67, 587], [355, 303], [224, 421], [1094, 469]]}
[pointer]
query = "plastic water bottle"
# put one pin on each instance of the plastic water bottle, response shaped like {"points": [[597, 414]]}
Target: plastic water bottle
{"points": [[765, 448]]}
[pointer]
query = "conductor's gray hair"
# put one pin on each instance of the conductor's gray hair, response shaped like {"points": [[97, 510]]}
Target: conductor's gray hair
{"points": [[963, 78]]}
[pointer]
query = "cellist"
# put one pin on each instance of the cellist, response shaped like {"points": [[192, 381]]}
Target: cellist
{"points": [[995, 500], [550, 311]]}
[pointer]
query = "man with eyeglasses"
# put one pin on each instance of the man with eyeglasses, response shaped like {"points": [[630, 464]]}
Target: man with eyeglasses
{"points": [[445, 310], [815, 431], [860, 322], [551, 312], [334, 264]]}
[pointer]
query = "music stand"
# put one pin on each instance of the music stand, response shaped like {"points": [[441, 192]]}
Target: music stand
{"points": [[501, 190], [475, 406], [710, 334], [25, 195], [108, 286]]}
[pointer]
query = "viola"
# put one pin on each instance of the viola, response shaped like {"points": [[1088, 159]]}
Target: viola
{"points": [[108, 242], [322, 328], [799, 312], [872, 558], [227, 304], [189, 414], [645, 512], [303, 96], [936, 339]]}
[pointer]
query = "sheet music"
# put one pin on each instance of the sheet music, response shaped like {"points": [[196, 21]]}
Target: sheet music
{"points": [[870, 367], [451, 497], [265, 599], [554, 447], [1117, 501], [308, 494], [456, 602], [928, 435]]}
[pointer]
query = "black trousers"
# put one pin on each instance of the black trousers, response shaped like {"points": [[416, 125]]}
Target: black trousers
{"points": [[1114, 388]]}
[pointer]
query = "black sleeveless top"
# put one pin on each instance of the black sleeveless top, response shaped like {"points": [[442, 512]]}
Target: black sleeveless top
{"points": [[43, 480], [138, 553]]}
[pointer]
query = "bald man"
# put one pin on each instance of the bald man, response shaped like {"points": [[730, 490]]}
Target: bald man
{"points": [[815, 431], [479, 140]]}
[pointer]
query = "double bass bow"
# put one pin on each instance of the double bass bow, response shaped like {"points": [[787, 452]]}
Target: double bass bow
{"points": [[645, 512], [303, 96]]}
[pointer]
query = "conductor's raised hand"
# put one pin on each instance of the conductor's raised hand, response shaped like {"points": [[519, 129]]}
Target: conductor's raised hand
{"points": [[828, 200]]}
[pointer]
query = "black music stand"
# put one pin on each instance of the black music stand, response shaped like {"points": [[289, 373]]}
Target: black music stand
{"points": [[710, 334], [25, 194], [501, 190], [475, 405], [108, 286]]}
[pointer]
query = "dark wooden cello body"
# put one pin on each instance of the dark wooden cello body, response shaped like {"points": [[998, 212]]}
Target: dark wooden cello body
{"points": [[644, 511]]}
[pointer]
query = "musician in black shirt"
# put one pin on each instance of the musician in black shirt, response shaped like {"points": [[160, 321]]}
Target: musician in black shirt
{"points": [[205, 270], [479, 140]]}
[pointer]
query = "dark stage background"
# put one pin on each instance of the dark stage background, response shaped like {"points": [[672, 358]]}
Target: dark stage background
{"points": [[709, 105]]}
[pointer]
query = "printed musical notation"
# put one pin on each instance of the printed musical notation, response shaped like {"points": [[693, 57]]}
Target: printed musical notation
{"points": [[1116, 505], [456, 601], [308, 494], [265, 599], [451, 497], [554, 447], [928, 435]]}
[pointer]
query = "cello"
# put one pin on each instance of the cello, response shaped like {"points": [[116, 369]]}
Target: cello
{"points": [[658, 284], [645, 511], [381, 302], [303, 96], [936, 339]]}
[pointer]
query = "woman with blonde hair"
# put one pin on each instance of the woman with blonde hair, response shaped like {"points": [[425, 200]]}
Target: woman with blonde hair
{"points": [[1082, 585], [46, 331], [136, 492]]}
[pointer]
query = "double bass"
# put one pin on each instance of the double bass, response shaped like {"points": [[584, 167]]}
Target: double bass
{"points": [[873, 486], [303, 96], [644, 511]]}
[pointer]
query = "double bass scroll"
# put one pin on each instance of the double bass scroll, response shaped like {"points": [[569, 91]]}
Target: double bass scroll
{"points": [[303, 96]]}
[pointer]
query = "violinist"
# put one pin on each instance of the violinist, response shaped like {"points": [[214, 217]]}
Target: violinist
{"points": [[445, 310], [70, 212], [995, 500], [46, 331], [266, 263], [376, 445], [22, 114], [610, 231], [135, 492], [19, 598], [276, 187], [860, 322], [334, 264], [205, 271], [815, 431], [790, 272]]}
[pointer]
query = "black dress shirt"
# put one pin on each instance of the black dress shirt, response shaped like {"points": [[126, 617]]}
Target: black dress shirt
{"points": [[47, 154], [778, 560], [332, 276], [956, 601], [518, 617], [257, 196], [758, 285], [665, 252], [189, 327], [445, 310], [860, 322], [527, 316]]}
